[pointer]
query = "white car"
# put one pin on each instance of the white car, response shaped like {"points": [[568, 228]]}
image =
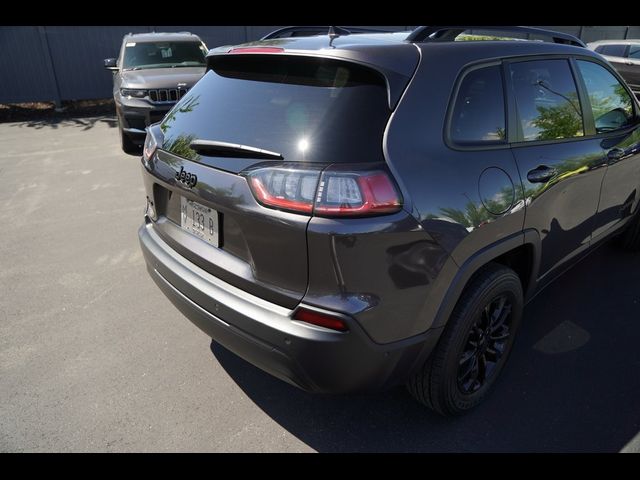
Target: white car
{"points": [[624, 55]]}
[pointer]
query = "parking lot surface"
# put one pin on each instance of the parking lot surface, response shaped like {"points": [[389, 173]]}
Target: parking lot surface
{"points": [[94, 358]]}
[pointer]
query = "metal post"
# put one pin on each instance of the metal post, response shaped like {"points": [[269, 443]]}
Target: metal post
{"points": [[580, 32], [626, 33], [50, 67]]}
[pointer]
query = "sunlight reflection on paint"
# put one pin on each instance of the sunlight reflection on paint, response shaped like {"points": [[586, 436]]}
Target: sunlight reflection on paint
{"points": [[303, 145]]}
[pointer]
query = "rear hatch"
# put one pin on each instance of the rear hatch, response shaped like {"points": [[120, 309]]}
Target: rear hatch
{"points": [[252, 110]]}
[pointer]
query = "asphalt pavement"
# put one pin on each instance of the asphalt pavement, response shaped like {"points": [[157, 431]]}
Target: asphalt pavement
{"points": [[94, 358]]}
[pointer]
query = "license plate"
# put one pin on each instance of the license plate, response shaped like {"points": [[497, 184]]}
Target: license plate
{"points": [[199, 220]]}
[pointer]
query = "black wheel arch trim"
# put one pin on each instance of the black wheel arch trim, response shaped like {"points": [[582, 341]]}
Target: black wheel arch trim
{"points": [[472, 265]]}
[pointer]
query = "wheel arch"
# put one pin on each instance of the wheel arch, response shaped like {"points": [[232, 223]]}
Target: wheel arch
{"points": [[520, 251]]}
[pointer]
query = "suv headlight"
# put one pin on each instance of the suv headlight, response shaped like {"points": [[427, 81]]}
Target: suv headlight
{"points": [[133, 92]]}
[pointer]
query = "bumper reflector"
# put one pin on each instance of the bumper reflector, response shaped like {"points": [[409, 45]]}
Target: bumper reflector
{"points": [[320, 319]]}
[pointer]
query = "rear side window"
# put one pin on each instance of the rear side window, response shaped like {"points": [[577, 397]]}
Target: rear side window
{"points": [[612, 50], [478, 114], [307, 109], [547, 100], [611, 104]]}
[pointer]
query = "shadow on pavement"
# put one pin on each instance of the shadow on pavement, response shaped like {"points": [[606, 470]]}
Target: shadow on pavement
{"points": [[82, 123], [572, 383]]}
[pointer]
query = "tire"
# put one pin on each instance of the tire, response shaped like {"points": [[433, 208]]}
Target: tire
{"points": [[128, 146], [436, 384], [629, 240]]}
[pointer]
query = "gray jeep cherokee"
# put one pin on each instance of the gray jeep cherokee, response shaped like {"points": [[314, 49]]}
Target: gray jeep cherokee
{"points": [[351, 213], [152, 72]]}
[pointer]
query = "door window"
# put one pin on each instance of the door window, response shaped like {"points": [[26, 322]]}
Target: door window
{"points": [[634, 51], [547, 100], [611, 105]]}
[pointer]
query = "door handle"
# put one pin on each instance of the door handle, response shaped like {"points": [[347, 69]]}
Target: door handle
{"points": [[615, 154], [542, 173]]}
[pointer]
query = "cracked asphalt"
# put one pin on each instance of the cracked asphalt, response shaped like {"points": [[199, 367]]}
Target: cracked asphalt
{"points": [[94, 358]]}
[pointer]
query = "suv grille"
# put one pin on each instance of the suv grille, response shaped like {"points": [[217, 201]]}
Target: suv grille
{"points": [[167, 95]]}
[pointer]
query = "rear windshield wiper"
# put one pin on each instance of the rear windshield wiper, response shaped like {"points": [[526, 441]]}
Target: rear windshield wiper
{"points": [[224, 149]]}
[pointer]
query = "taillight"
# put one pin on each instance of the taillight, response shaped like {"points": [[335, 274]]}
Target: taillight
{"points": [[150, 147], [337, 191], [321, 319], [285, 188], [356, 193]]}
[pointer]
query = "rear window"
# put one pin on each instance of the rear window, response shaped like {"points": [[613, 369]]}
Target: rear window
{"points": [[306, 109]]}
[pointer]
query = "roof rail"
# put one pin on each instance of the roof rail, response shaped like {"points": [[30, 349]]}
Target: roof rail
{"points": [[310, 30], [450, 32]]}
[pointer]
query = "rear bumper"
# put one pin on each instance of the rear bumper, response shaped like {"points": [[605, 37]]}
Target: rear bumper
{"points": [[312, 358]]}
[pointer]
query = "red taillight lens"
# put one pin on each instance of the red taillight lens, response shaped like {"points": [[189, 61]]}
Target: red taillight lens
{"points": [[150, 147], [336, 192], [256, 50], [285, 188], [320, 319]]}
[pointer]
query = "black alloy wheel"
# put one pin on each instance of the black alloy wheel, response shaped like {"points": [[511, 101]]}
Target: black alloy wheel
{"points": [[486, 343]]}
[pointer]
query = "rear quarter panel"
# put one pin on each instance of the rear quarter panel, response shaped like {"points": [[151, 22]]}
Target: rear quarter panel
{"points": [[442, 184]]}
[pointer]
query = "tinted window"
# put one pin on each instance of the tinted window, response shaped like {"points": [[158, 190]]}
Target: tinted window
{"points": [[478, 114], [613, 50], [634, 51], [163, 54], [547, 100], [611, 104], [307, 109]]}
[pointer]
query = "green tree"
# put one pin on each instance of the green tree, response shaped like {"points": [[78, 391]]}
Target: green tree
{"points": [[559, 121], [181, 146]]}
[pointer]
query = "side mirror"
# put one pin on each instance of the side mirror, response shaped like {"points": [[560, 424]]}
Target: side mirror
{"points": [[110, 64], [611, 120]]}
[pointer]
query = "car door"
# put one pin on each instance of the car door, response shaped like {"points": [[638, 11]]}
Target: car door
{"points": [[615, 118], [560, 167]]}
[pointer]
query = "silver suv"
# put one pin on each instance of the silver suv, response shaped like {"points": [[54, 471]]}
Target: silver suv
{"points": [[152, 72]]}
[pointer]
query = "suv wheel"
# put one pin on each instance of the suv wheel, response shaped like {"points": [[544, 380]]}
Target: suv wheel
{"points": [[127, 145], [630, 239], [475, 345]]}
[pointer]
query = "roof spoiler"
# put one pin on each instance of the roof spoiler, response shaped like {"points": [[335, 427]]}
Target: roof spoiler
{"points": [[396, 81], [450, 32], [308, 30]]}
